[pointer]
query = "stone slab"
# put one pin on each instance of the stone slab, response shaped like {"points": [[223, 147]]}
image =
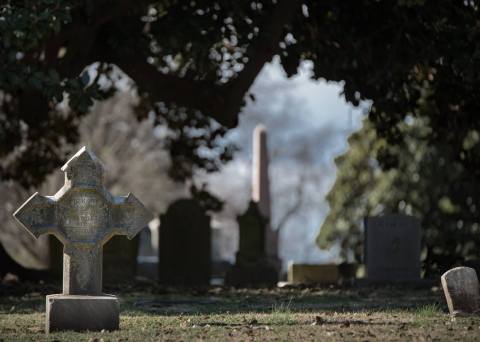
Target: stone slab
{"points": [[81, 313], [313, 274], [185, 245], [461, 289], [392, 248]]}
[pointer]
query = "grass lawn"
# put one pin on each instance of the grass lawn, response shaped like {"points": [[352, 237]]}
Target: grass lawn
{"points": [[151, 313]]}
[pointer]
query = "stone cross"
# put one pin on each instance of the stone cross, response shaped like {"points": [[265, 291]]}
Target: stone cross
{"points": [[461, 289], [261, 190], [83, 215]]}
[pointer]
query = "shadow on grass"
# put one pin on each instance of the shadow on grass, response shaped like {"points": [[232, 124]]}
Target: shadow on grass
{"points": [[268, 303], [22, 305], [343, 323], [152, 299]]}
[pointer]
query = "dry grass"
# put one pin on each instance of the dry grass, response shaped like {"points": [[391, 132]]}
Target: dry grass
{"points": [[281, 314]]}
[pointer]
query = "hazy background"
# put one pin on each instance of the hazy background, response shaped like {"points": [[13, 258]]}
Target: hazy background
{"points": [[308, 123]]}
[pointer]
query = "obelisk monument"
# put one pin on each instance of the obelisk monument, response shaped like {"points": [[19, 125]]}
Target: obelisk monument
{"points": [[256, 262], [261, 192]]}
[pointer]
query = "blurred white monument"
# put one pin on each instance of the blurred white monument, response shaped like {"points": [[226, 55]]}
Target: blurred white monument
{"points": [[261, 192]]}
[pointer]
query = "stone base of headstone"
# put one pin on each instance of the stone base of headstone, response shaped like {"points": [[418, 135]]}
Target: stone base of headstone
{"points": [[324, 274], [314, 274], [252, 275], [81, 313]]}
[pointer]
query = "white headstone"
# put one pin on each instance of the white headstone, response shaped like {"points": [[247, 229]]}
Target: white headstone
{"points": [[461, 289]]}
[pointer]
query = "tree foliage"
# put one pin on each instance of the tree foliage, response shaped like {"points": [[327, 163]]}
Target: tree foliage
{"points": [[194, 61], [428, 182]]}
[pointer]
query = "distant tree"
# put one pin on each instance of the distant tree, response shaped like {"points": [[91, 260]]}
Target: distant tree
{"points": [[194, 61], [134, 159], [428, 181]]}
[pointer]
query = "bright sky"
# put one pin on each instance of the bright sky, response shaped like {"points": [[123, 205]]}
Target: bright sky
{"points": [[308, 123]]}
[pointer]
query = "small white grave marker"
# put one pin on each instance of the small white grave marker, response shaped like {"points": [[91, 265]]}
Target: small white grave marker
{"points": [[460, 286]]}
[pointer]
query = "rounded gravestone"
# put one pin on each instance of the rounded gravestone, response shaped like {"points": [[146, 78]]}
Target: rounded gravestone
{"points": [[460, 286]]}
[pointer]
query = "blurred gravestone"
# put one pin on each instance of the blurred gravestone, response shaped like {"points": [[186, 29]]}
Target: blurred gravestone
{"points": [[147, 260], [220, 266], [185, 245], [120, 259], [20, 252], [257, 262], [460, 286], [252, 267], [392, 248], [10, 265], [252, 235]]}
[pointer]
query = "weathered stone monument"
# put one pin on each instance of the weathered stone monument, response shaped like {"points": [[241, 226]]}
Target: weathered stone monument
{"points": [[461, 289], [185, 245], [261, 192], [252, 235], [83, 215], [251, 265], [392, 248], [257, 262]]}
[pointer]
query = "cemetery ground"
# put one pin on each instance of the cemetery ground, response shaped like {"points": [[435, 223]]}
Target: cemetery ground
{"points": [[152, 313]]}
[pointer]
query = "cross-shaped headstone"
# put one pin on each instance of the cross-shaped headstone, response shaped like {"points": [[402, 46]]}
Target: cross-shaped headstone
{"points": [[83, 215]]}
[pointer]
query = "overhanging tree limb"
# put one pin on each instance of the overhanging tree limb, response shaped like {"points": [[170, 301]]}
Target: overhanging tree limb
{"points": [[222, 102], [260, 52]]}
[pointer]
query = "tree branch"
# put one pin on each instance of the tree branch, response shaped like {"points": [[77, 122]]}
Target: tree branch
{"points": [[85, 25], [259, 52], [223, 103], [201, 95], [295, 207]]}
